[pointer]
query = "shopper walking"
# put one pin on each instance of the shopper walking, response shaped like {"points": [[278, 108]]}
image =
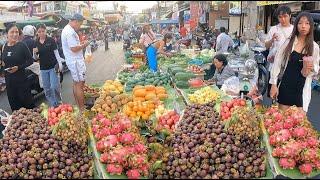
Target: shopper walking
{"points": [[278, 34], [72, 50], [224, 41], [15, 58], [106, 40], [50, 65], [296, 62]]}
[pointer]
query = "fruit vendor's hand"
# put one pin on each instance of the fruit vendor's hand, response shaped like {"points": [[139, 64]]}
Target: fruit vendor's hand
{"points": [[274, 91], [13, 69]]}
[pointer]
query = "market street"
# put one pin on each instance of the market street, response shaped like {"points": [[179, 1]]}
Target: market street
{"points": [[104, 66]]}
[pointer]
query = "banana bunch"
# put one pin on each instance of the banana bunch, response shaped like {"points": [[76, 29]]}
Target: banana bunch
{"points": [[204, 95]]}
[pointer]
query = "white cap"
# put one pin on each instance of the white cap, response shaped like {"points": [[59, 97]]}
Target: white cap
{"points": [[28, 30]]}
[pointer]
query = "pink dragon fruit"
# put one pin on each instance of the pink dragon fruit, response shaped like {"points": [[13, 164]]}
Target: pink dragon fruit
{"points": [[268, 122], [95, 128], [271, 130], [114, 169], [286, 163], [106, 131], [299, 132], [107, 142], [127, 138], [316, 164], [118, 155], [312, 142], [145, 169], [289, 123], [125, 123], [278, 152], [310, 155], [292, 149], [277, 116], [137, 160], [278, 125], [305, 168], [116, 129], [104, 157], [271, 111], [140, 148], [280, 137], [133, 174], [105, 122]]}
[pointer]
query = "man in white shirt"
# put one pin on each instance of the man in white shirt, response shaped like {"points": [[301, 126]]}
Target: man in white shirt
{"points": [[278, 34], [72, 50], [224, 41]]}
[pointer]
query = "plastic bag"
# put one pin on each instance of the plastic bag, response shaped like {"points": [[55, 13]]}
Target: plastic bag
{"points": [[231, 86], [88, 55], [244, 50]]}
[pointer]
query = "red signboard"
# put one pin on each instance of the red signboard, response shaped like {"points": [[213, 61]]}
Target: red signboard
{"points": [[194, 14]]}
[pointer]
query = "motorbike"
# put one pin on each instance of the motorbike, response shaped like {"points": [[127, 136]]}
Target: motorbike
{"points": [[261, 60]]}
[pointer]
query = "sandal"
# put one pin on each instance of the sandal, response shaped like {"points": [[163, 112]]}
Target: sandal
{"points": [[4, 117]]}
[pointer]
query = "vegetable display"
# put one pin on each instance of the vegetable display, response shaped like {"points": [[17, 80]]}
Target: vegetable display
{"points": [[148, 78]]}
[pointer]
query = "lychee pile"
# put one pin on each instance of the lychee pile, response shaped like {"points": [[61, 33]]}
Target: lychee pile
{"points": [[295, 142], [121, 146]]}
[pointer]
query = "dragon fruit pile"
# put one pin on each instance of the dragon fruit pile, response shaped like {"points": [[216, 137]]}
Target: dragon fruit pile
{"points": [[121, 146], [295, 142]]}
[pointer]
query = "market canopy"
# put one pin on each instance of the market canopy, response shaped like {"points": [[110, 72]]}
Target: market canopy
{"points": [[173, 21], [47, 22]]}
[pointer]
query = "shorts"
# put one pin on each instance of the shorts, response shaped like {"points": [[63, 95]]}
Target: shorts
{"points": [[78, 71]]}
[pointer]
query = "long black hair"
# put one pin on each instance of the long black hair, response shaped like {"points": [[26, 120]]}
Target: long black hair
{"points": [[308, 48]]}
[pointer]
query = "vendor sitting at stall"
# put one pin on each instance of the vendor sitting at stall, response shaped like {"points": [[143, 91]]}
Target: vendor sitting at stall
{"points": [[222, 71], [154, 48]]}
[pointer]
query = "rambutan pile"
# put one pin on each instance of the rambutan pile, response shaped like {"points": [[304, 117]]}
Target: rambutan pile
{"points": [[295, 142]]}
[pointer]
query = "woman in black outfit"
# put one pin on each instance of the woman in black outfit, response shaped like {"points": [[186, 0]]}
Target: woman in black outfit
{"points": [[16, 57], [295, 64]]}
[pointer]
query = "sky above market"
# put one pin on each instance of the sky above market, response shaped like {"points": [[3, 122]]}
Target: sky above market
{"points": [[133, 6]]}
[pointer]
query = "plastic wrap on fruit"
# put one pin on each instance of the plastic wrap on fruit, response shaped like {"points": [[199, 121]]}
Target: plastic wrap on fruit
{"points": [[231, 86]]}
